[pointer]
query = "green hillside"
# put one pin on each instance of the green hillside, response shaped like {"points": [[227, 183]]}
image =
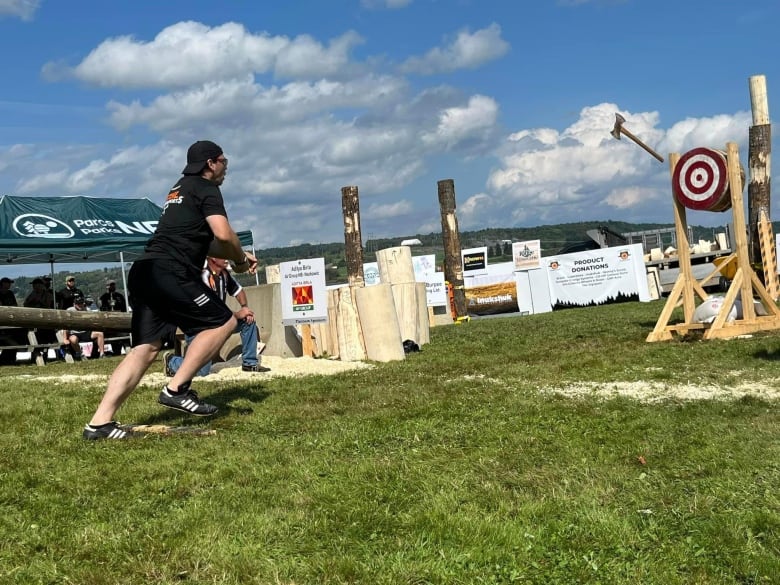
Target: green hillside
{"points": [[553, 238]]}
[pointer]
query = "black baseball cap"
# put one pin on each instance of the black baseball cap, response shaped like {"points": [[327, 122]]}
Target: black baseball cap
{"points": [[198, 154]]}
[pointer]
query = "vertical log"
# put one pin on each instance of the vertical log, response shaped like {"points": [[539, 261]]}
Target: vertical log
{"points": [[350, 208], [759, 153], [453, 267]]}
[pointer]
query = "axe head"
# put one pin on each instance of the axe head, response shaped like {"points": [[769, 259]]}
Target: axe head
{"points": [[618, 125]]}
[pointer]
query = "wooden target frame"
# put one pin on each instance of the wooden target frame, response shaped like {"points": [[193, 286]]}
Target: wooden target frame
{"points": [[744, 285]]}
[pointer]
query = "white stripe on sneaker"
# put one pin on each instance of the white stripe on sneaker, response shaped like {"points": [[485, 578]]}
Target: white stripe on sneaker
{"points": [[190, 405], [116, 434]]}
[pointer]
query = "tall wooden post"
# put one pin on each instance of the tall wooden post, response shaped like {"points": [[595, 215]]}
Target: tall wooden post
{"points": [[353, 245], [453, 267], [759, 152]]}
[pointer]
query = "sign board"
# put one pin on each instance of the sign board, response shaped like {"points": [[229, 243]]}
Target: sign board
{"points": [[436, 290], [423, 265], [371, 273], [474, 261], [304, 300], [597, 277], [526, 255], [491, 294]]}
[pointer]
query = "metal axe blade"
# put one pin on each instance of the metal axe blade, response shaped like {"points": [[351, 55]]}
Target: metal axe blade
{"points": [[618, 129]]}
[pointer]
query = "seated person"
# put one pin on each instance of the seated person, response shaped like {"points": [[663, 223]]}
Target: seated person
{"points": [[41, 298], [74, 338]]}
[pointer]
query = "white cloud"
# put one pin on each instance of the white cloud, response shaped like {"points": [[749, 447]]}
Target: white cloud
{"points": [[547, 175], [24, 9], [458, 124], [191, 53], [388, 211], [466, 51]]}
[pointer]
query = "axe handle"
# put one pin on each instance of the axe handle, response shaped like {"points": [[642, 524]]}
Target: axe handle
{"points": [[642, 144]]}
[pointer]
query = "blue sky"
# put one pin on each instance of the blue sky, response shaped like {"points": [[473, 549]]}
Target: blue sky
{"points": [[514, 100]]}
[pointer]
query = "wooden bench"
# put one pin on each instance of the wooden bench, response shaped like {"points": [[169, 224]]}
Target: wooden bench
{"points": [[38, 351]]}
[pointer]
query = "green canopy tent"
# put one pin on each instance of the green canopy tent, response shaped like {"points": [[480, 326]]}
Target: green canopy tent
{"points": [[36, 230]]}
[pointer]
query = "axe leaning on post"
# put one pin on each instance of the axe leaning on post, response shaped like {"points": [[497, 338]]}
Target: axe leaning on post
{"points": [[618, 130]]}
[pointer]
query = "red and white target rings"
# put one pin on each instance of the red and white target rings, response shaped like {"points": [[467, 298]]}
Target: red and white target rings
{"points": [[700, 180]]}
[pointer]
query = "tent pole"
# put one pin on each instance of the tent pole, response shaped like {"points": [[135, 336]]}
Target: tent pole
{"points": [[124, 279], [51, 272], [257, 276]]}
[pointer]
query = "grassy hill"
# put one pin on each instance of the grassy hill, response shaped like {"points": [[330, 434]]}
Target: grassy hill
{"points": [[553, 238]]}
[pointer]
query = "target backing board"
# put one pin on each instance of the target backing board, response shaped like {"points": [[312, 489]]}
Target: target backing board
{"points": [[700, 180]]}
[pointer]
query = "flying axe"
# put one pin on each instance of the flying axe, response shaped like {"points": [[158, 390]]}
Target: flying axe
{"points": [[618, 130]]}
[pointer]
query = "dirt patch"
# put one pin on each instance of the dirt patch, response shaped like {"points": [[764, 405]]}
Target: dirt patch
{"points": [[280, 367], [657, 391]]}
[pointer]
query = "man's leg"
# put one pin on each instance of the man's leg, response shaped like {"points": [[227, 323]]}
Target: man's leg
{"points": [[123, 381], [200, 351], [173, 362], [248, 334]]}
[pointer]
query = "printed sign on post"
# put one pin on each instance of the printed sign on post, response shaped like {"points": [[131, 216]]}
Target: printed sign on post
{"points": [[304, 300], [474, 261], [436, 290], [526, 255]]}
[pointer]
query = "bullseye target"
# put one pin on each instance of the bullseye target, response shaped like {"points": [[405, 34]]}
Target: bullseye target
{"points": [[700, 180]]}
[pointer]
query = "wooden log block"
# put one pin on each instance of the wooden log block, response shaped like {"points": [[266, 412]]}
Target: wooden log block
{"points": [[405, 300], [57, 319], [423, 318], [350, 335], [379, 324], [333, 332], [395, 265]]}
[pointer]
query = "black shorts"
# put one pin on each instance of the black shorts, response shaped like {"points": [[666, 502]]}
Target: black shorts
{"points": [[165, 295]]}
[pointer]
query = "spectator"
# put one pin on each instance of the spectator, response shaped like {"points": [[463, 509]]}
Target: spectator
{"points": [[12, 336], [111, 300], [41, 298], [75, 337], [7, 296], [65, 295]]}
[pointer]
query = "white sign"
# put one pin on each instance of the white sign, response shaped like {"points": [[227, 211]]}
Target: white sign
{"points": [[304, 300], [597, 277], [371, 273], [526, 255], [423, 266], [474, 261], [436, 290]]}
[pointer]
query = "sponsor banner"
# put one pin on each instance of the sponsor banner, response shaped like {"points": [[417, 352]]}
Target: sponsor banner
{"points": [[474, 261], [490, 295], [371, 273], [597, 277], [423, 266], [304, 300], [436, 290], [527, 255]]}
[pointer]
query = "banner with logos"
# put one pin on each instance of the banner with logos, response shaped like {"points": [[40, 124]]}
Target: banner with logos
{"points": [[491, 294], [597, 277]]}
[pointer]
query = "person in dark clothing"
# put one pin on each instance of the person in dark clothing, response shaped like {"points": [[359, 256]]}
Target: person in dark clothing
{"points": [[65, 294], [111, 300], [10, 336], [166, 291]]}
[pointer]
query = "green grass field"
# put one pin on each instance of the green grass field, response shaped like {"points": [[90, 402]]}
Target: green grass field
{"points": [[471, 462]]}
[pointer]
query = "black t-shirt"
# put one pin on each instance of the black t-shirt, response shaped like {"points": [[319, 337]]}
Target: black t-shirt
{"points": [[183, 234]]}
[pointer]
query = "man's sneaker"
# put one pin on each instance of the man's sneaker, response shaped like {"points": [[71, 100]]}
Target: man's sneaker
{"points": [[110, 430], [257, 368], [185, 400], [167, 357]]}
